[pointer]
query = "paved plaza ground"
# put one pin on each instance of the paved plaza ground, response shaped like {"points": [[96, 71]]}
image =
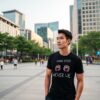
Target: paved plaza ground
{"points": [[27, 82]]}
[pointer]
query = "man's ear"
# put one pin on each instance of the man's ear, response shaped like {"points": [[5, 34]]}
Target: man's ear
{"points": [[69, 41]]}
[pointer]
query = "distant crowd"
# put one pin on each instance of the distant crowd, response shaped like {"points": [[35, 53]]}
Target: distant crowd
{"points": [[89, 60], [2, 61], [15, 61]]}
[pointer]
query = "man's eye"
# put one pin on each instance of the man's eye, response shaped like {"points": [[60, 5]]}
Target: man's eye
{"points": [[61, 37]]}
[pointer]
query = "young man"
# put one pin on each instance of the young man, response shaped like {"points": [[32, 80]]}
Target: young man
{"points": [[63, 66]]}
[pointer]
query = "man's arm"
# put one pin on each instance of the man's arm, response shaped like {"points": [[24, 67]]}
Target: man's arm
{"points": [[47, 81], [80, 84]]}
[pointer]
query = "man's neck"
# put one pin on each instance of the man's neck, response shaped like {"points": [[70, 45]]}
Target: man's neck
{"points": [[64, 51]]}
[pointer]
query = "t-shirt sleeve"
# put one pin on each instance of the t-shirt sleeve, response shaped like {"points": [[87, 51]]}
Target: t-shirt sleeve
{"points": [[79, 66], [49, 63]]}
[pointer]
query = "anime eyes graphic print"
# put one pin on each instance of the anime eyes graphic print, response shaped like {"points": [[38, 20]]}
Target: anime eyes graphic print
{"points": [[58, 68], [66, 68]]}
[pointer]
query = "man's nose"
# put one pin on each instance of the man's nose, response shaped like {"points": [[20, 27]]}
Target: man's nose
{"points": [[58, 42]]}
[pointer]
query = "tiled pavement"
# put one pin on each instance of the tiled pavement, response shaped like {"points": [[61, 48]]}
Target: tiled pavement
{"points": [[27, 82]]}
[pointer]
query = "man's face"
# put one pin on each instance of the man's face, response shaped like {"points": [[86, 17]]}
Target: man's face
{"points": [[62, 41]]}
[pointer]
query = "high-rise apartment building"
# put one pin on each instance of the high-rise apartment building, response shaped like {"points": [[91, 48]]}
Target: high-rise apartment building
{"points": [[90, 15], [86, 17]]}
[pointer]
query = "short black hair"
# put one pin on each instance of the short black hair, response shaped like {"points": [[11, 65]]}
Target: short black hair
{"points": [[67, 33]]}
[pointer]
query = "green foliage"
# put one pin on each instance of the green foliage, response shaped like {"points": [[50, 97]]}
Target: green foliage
{"points": [[22, 45], [45, 51], [10, 43], [73, 48], [90, 43], [3, 38]]}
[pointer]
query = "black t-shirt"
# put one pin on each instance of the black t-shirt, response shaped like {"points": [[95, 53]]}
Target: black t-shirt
{"points": [[63, 72]]}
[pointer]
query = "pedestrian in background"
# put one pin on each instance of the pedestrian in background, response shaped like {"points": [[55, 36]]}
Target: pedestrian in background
{"points": [[15, 62], [36, 61], [87, 60], [1, 63]]}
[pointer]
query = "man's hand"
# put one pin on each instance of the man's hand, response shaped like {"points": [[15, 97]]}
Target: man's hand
{"points": [[80, 84], [76, 99], [46, 94], [47, 81]]}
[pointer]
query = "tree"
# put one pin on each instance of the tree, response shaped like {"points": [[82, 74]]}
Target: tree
{"points": [[47, 51], [73, 47], [3, 38], [10, 43], [21, 44], [6, 42], [26, 47], [90, 43]]}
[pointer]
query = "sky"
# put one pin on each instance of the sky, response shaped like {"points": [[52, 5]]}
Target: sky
{"points": [[41, 11]]}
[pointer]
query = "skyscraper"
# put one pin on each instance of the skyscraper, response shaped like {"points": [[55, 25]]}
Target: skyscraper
{"points": [[79, 10], [90, 15], [71, 18], [54, 26], [74, 26], [42, 30], [17, 17], [86, 16]]}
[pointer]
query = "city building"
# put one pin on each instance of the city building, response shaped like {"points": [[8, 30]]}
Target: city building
{"points": [[7, 26], [71, 18], [79, 16], [17, 17], [43, 26], [54, 26], [38, 26], [90, 15], [28, 34], [50, 38], [75, 19], [86, 17], [43, 29], [38, 39]]}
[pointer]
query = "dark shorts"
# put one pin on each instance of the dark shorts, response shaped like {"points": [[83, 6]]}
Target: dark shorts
{"points": [[1, 66], [15, 64]]}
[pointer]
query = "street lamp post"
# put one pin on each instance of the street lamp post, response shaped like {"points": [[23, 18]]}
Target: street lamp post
{"points": [[38, 56], [5, 50], [77, 45]]}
